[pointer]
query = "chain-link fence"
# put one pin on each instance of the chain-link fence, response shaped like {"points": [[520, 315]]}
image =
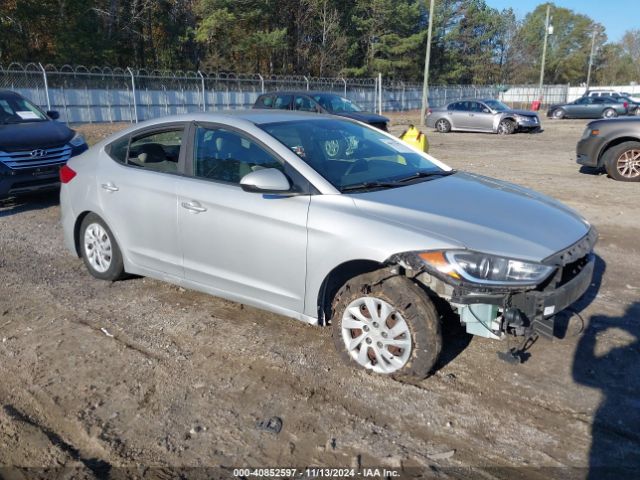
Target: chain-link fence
{"points": [[102, 94]]}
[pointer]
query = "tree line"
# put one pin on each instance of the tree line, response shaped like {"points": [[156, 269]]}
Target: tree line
{"points": [[473, 43]]}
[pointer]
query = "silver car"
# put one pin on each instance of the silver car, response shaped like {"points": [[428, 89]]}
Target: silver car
{"points": [[250, 207], [486, 115]]}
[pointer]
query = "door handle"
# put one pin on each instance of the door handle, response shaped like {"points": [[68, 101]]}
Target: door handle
{"points": [[194, 206], [110, 187]]}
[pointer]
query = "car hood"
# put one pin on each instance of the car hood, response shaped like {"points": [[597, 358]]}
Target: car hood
{"points": [[31, 135], [527, 113], [365, 117], [479, 213]]}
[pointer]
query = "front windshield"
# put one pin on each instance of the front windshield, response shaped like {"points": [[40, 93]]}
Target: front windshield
{"points": [[496, 105], [336, 103], [351, 156], [14, 109]]}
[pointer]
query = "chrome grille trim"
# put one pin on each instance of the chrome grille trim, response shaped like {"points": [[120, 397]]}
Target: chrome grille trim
{"points": [[25, 159]]}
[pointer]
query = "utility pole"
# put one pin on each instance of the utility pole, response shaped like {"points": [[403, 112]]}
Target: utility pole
{"points": [[427, 60], [593, 44], [544, 51]]}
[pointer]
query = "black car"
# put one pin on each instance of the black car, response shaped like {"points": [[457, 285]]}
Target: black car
{"points": [[33, 146], [614, 145], [320, 102]]}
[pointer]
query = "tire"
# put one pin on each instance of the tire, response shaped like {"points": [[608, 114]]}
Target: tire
{"points": [[99, 249], [558, 114], [506, 127], [443, 126], [609, 113], [409, 353], [622, 162]]}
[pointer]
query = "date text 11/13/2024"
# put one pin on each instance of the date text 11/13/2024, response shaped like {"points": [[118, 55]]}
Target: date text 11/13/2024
{"points": [[319, 472]]}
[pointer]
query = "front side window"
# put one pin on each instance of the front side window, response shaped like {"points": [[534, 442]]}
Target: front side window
{"points": [[351, 156], [227, 156], [14, 109], [336, 103], [282, 102], [157, 151], [304, 104], [265, 101]]}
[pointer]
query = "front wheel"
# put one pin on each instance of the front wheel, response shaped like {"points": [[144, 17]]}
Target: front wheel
{"points": [[100, 252], [622, 162], [506, 127], [558, 114], [386, 324]]}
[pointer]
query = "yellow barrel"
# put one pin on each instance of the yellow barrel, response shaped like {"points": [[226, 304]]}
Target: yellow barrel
{"points": [[415, 138]]}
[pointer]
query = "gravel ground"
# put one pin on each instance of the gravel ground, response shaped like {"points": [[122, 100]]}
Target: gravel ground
{"points": [[99, 378]]}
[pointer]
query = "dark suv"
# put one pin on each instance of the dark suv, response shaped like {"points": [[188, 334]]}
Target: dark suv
{"points": [[320, 102], [613, 144], [32, 146]]}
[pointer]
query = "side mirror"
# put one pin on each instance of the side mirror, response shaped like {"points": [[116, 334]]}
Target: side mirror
{"points": [[266, 180], [53, 114]]}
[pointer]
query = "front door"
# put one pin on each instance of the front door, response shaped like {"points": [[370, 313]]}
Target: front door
{"points": [[240, 245]]}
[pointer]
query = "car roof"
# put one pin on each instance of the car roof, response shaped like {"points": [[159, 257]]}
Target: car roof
{"points": [[9, 93], [300, 92], [255, 116]]}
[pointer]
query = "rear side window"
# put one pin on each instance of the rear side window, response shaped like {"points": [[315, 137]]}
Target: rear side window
{"points": [[157, 151], [282, 102], [118, 149], [265, 101]]}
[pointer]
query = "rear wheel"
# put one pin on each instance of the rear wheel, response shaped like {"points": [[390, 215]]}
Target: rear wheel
{"points": [[443, 126], [506, 127], [99, 249], [622, 162], [609, 113], [387, 325]]}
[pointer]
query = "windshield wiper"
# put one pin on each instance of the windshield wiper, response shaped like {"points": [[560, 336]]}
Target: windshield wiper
{"points": [[368, 185], [441, 173]]}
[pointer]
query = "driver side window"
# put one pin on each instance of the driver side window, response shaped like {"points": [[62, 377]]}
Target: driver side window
{"points": [[226, 156]]}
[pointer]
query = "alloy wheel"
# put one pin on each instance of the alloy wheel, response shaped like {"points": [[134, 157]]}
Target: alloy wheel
{"points": [[628, 164], [442, 126], [376, 335], [97, 246]]}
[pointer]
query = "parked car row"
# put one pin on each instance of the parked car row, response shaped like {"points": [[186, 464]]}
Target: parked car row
{"points": [[593, 107]]}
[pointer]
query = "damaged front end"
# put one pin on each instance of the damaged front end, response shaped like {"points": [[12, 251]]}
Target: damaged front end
{"points": [[495, 296]]}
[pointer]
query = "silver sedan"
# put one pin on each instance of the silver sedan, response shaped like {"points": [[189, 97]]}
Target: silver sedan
{"points": [[256, 207], [487, 115]]}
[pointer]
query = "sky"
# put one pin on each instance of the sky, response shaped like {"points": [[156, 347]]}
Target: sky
{"points": [[617, 16]]}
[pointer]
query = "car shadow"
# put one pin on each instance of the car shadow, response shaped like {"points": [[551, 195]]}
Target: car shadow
{"points": [[615, 431], [16, 205], [593, 171]]}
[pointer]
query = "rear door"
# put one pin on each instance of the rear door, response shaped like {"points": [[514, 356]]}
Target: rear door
{"points": [[241, 245], [457, 112], [137, 192]]}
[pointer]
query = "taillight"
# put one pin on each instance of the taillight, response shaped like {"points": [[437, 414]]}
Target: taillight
{"points": [[66, 174], [429, 112], [626, 104]]}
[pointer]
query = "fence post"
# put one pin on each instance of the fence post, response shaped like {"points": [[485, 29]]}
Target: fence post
{"points": [[306, 80], [204, 97], [379, 93], [133, 94], [46, 86], [261, 83], [345, 85]]}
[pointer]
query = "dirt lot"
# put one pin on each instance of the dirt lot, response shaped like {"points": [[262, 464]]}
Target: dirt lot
{"points": [[96, 377]]}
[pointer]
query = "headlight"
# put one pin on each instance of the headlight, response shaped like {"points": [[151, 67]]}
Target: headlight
{"points": [[77, 140], [486, 269]]}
